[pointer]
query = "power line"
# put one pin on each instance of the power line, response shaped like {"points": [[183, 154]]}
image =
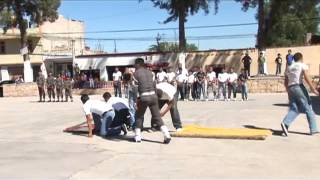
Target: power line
{"points": [[175, 28]]}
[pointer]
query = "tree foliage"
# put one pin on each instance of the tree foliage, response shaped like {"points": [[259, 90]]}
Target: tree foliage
{"points": [[181, 9], [285, 22], [18, 13], [170, 47], [290, 21]]}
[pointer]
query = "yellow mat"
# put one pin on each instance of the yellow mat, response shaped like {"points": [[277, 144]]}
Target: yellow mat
{"points": [[223, 133]]}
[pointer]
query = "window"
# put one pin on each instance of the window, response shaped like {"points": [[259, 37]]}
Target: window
{"points": [[2, 47]]}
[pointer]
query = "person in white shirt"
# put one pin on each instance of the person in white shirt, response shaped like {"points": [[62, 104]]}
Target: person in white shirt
{"points": [[299, 99], [212, 83], [123, 117], [181, 79], [232, 84], [102, 114], [223, 79], [167, 97], [117, 76], [161, 76], [190, 84], [171, 76]]}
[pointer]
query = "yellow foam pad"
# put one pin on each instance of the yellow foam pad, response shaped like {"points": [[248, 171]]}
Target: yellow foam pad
{"points": [[223, 133]]}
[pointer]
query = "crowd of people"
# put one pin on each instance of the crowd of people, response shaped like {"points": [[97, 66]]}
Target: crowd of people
{"points": [[58, 88], [196, 84]]}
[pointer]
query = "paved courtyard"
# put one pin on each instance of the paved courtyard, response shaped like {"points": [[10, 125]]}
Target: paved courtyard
{"points": [[33, 146]]}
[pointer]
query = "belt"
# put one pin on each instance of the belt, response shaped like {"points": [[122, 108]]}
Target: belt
{"points": [[294, 85], [148, 93]]}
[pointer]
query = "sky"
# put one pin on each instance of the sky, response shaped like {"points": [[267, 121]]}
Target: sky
{"points": [[109, 15]]}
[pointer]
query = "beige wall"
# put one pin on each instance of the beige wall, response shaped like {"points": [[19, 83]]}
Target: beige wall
{"points": [[232, 58]]}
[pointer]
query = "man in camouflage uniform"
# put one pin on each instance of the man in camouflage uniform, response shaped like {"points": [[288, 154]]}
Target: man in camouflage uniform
{"points": [[59, 87], [51, 87], [40, 83], [68, 88]]}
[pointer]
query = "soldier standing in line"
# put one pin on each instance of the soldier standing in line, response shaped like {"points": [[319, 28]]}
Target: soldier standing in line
{"points": [[59, 87], [68, 88], [40, 83], [51, 87]]}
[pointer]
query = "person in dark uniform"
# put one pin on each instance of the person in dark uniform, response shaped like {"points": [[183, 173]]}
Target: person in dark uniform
{"points": [[51, 87], [246, 60], [68, 89], [147, 98], [40, 83], [59, 87]]}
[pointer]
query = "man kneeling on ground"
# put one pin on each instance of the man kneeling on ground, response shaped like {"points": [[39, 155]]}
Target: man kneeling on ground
{"points": [[167, 97], [102, 114], [121, 109]]}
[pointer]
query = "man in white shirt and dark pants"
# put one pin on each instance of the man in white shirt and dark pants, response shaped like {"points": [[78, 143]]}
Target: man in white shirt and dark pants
{"points": [[167, 97], [299, 99], [223, 79], [161, 76], [232, 84], [117, 76], [181, 80], [102, 114], [123, 117]]}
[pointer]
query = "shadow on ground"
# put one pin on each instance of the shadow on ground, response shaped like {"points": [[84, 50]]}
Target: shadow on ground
{"points": [[274, 132]]}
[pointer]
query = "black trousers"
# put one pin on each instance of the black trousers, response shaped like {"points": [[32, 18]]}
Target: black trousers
{"points": [[247, 70], [181, 90], [175, 116], [150, 101]]}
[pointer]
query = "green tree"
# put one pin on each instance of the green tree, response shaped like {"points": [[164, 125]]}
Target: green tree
{"points": [[180, 10], [285, 22], [21, 12], [261, 17], [290, 21], [170, 47]]}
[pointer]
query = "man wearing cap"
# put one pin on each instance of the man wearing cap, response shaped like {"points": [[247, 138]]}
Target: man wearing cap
{"points": [[147, 98]]}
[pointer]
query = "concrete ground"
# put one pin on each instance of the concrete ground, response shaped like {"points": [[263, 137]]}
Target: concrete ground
{"points": [[33, 146]]}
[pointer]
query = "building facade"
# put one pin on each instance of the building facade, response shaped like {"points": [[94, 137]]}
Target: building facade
{"points": [[54, 43]]}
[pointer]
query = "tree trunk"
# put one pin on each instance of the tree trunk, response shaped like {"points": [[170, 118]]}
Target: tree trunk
{"points": [[28, 73], [182, 35], [261, 27]]}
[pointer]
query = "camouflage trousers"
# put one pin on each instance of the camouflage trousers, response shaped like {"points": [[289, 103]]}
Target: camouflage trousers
{"points": [[59, 93], [51, 93], [68, 93]]}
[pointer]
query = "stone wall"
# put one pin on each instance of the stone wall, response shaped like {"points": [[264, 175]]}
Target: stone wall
{"points": [[255, 85], [266, 85]]}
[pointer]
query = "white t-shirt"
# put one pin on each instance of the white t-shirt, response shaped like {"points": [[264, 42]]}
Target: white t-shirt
{"points": [[96, 106], [117, 76], [294, 73], [181, 78], [233, 77], [168, 91], [223, 77], [171, 76], [191, 78], [211, 76], [161, 76], [118, 103]]}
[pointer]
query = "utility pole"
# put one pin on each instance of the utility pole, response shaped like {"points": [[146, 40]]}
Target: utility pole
{"points": [[115, 46]]}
